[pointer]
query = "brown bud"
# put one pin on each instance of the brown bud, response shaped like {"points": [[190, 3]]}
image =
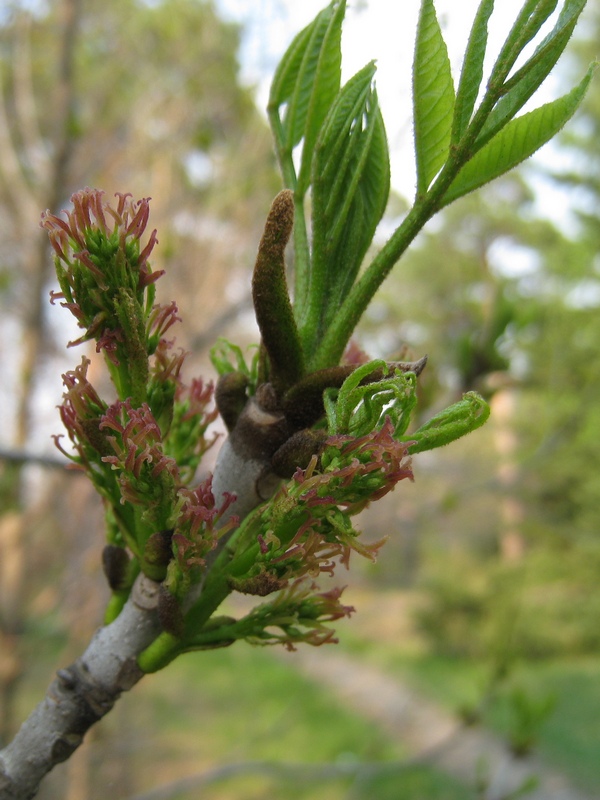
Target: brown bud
{"points": [[230, 397], [260, 585], [297, 451], [157, 554], [115, 563], [270, 295], [169, 612]]}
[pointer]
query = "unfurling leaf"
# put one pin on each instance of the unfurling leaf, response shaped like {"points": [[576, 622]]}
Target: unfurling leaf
{"points": [[450, 424]]}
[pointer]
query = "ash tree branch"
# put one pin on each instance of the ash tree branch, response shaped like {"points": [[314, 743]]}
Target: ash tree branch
{"points": [[87, 690], [80, 695]]}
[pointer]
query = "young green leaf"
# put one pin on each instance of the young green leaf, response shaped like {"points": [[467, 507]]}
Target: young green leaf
{"points": [[551, 47], [281, 90], [527, 25], [517, 141], [351, 180], [325, 89], [306, 83], [525, 82], [450, 424], [433, 96], [472, 70]]}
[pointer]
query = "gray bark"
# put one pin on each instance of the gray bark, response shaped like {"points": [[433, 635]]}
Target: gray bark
{"points": [[80, 695]]}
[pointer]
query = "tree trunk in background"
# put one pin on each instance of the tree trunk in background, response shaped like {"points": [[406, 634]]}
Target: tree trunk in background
{"points": [[512, 546], [29, 198]]}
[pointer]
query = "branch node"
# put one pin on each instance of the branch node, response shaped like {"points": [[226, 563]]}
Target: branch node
{"points": [[145, 593]]}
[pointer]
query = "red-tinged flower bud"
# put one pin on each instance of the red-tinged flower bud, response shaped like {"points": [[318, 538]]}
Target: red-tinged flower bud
{"points": [[103, 271]]}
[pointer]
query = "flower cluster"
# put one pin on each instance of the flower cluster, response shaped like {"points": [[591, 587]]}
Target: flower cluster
{"points": [[192, 414], [199, 523], [306, 529], [142, 452], [81, 413], [107, 283], [365, 468], [147, 477], [281, 550], [137, 443], [298, 613], [98, 254]]}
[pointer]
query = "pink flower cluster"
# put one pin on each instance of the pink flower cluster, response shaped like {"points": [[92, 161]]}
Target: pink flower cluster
{"points": [[91, 212]]}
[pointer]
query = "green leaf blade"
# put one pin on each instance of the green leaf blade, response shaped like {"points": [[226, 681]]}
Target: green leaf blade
{"points": [[527, 25], [433, 95], [282, 88], [472, 71], [351, 182], [304, 87], [286, 74], [325, 89], [517, 141], [534, 72]]}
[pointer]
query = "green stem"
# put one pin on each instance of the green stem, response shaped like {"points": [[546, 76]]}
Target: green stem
{"points": [[167, 647], [120, 378]]}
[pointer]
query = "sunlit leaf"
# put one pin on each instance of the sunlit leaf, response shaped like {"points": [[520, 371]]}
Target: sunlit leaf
{"points": [[517, 141], [433, 97]]}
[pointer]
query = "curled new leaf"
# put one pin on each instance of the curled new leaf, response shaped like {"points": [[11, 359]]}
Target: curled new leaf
{"points": [[450, 424], [360, 405]]}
